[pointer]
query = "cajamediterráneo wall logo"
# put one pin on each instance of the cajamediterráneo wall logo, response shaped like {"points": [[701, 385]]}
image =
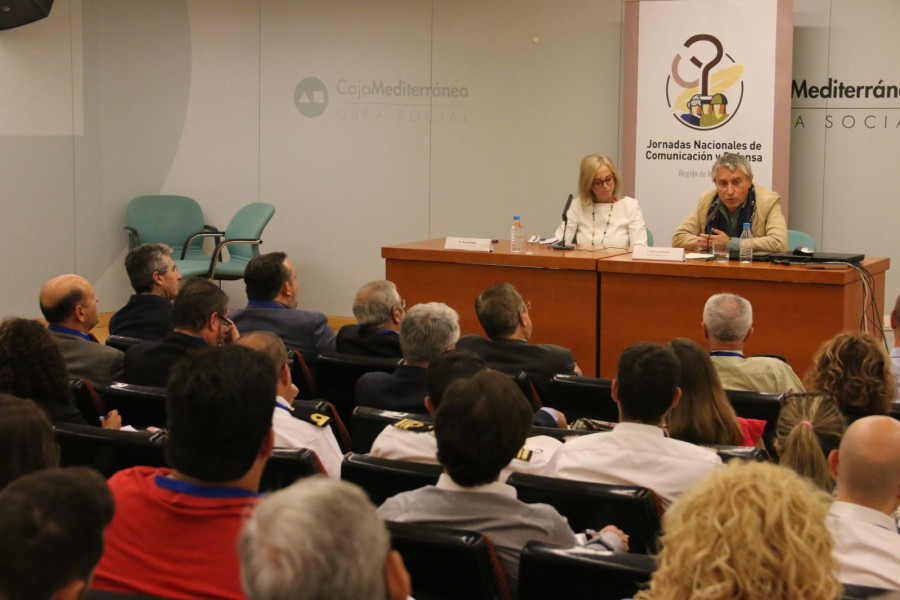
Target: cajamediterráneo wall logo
{"points": [[311, 97], [705, 87]]}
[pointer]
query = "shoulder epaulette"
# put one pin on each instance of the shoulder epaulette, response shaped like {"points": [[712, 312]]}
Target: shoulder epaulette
{"points": [[412, 425], [317, 419], [524, 454]]}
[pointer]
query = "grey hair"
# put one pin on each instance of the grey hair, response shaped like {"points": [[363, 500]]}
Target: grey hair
{"points": [[732, 162], [727, 317], [319, 539], [142, 262], [427, 330], [374, 302]]}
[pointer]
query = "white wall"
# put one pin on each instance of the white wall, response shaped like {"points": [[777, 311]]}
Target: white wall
{"points": [[109, 99]]}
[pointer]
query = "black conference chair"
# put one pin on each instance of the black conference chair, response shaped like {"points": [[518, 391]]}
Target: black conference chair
{"points": [[758, 405], [382, 478], [728, 453], [123, 342], [141, 406], [587, 505], [449, 564], [578, 397], [861, 592], [368, 422], [579, 572], [106, 450], [104, 595], [87, 400], [562, 435], [302, 376], [323, 413], [286, 466], [337, 374]]}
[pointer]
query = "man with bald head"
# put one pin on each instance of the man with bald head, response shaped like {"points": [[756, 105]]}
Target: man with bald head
{"points": [[867, 470], [69, 304]]}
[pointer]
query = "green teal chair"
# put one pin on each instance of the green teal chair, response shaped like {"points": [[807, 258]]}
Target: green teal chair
{"points": [[649, 236], [242, 237], [799, 238], [166, 219]]}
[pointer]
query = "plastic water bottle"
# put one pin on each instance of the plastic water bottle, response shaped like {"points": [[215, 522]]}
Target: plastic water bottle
{"points": [[746, 245], [517, 236]]}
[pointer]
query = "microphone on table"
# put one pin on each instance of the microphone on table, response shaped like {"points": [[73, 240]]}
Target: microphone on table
{"points": [[709, 219], [561, 244]]}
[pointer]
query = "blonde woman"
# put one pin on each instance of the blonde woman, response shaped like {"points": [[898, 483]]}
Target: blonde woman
{"points": [[750, 530], [856, 370], [809, 427], [599, 216]]}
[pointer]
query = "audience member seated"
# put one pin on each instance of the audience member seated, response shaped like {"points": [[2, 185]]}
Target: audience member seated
{"points": [[154, 277], [809, 427], [855, 369], [51, 524], [895, 351], [727, 325], [271, 283], [320, 539], [292, 431], [415, 441], [31, 366], [504, 316], [69, 304], [480, 426], [426, 331], [26, 439], [637, 451], [378, 309], [867, 470], [721, 213], [750, 530], [200, 320], [175, 530], [704, 415]]}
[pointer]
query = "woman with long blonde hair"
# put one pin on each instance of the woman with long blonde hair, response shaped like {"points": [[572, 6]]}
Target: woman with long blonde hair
{"points": [[748, 531]]}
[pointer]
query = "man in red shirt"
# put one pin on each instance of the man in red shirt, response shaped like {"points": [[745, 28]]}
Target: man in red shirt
{"points": [[175, 530]]}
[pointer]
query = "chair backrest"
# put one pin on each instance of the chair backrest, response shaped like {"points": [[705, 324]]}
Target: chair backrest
{"points": [[140, 406], [165, 219], [560, 434], [382, 478], [579, 572], [758, 405], [578, 396], [106, 450], [321, 409], [728, 453], [248, 223], [587, 505], [862, 592], [368, 422], [287, 465], [337, 374], [449, 563], [799, 238], [302, 376], [123, 342], [522, 380]]}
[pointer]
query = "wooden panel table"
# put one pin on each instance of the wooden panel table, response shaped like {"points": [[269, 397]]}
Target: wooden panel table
{"points": [[561, 286], [795, 309]]}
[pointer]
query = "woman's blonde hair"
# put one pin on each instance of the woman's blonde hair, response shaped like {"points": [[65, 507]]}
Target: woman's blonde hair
{"points": [[855, 369], [750, 530], [703, 415], [589, 166], [809, 428]]}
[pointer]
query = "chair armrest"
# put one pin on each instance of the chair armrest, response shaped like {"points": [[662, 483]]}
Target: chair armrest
{"points": [[133, 236], [217, 253], [205, 233]]}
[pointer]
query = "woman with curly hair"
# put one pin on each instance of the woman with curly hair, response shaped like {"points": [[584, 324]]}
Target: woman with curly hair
{"points": [[26, 440], [31, 366], [854, 368], [750, 530], [704, 415], [809, 427]]}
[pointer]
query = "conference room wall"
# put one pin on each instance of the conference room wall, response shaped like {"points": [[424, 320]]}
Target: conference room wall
{"points": [[196, 97]]}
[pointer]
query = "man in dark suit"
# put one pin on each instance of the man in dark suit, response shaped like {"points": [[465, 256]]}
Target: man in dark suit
{"points": [[69, 304], [503, 315], [378, 309], [154, 277], [272, 306], [200, 319]]}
